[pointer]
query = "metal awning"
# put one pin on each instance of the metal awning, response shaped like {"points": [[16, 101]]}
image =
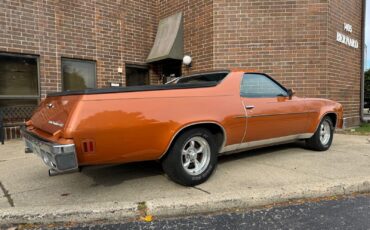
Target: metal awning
{"points": [[169, 41]]}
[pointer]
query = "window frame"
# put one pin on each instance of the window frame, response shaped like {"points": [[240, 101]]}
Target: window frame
{"points": [[267, 76], [77, 60], [137, 66], [27, 97], [207, 74]]}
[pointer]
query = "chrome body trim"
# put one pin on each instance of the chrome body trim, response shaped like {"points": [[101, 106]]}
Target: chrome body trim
{"points": [[60, 158], [269, 115], [263, 143], [241, 116], [277, 114]]}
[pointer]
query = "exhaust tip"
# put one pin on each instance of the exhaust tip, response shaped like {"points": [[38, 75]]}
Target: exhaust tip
{"points": [[28, 150], [52, 172]]}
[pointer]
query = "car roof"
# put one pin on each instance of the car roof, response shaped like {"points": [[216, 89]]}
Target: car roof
{"points": [[223, 71], [245, 70]]}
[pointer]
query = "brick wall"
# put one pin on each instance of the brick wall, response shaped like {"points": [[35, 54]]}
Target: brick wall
{"points": [[139, 33], [292, 40], [12, 132], [344, 65], [286, 39], [110, 32], [198, 30], [295, 42]]}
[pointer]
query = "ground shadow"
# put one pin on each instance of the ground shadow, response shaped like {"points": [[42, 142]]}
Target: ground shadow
{"points": [[111, 175], [260, 151]]}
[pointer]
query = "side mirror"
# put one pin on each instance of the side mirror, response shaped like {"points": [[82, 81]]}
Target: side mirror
{"points": [[291, 93]]}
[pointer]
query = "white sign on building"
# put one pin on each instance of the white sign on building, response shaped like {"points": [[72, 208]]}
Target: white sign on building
{"points": [[345, 39]]}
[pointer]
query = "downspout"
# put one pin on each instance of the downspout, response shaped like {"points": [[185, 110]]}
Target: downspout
{"points": [[362, 85]]}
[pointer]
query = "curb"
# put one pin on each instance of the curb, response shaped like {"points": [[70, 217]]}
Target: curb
{"points": [[69, 213], [170, 207], [254, 198]]}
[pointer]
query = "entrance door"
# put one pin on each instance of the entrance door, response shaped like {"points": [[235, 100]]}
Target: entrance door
{"points": [[270, 112], [137, 75], [171, 69]]}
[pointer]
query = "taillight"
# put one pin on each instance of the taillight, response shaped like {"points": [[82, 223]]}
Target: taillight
{"points": [[88, 146]]}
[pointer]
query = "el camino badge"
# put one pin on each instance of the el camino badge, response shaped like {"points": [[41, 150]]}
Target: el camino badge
{"points": [[56, 123]]}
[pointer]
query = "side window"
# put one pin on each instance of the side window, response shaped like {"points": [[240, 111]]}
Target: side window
{"points": [[258, 85]]}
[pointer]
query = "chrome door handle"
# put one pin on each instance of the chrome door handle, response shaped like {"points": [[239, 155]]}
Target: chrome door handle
{"points": [[249, 106]]}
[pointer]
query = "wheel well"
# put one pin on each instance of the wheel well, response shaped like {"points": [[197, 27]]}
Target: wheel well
{"points": [[333, 118], [215, 129]]}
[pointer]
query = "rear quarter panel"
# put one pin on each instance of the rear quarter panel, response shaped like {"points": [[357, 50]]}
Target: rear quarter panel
{"points": [[140, 126]]}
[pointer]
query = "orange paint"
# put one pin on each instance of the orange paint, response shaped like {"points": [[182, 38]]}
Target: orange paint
{"points": [[138, 126]]}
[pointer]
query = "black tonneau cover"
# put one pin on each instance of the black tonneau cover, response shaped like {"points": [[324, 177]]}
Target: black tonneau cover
{"points": [[147, 87], [134, 89]]}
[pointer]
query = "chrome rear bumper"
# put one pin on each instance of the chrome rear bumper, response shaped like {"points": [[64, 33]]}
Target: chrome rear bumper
{"points": [[59, 158]]}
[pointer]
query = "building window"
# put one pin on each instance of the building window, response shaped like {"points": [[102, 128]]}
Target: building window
{"points": [[19, 80], [136, 75], [78, 74]]}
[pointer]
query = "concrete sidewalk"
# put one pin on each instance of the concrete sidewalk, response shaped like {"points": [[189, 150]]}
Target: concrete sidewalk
{"points": [[249, 179]]}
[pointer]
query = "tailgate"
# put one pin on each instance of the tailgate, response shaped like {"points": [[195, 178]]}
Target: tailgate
{"points": [[53, 113]]}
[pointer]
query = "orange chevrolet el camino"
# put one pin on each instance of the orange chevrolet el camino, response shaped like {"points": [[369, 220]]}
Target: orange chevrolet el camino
{"points": [[185, 124]]}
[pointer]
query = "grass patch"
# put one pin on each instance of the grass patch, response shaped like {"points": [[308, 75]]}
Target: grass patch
{"points": [[364, 128]]}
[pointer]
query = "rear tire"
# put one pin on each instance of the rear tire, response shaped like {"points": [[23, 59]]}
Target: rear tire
{"points": [[192, 157], [323, 136]]}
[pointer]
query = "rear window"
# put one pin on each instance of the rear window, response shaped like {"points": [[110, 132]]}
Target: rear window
{"points": [[201, 78]]}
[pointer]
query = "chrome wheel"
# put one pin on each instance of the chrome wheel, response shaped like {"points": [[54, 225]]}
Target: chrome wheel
{"points": [[325, 132], [196, 155]]}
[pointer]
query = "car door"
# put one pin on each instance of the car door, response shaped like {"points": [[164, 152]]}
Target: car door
{"points": [[271, 114]]}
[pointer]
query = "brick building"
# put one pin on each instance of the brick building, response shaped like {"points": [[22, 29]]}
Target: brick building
{"points": [[312, 46]]}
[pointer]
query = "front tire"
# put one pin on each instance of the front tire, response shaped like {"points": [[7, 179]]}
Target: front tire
{"points": [[323, 136], [192, 158]]}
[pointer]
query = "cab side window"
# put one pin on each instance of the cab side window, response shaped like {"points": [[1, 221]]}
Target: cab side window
{"points": [[258, 85]]}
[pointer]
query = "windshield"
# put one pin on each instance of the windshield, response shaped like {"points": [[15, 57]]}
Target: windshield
{"points": [[200, 78]]}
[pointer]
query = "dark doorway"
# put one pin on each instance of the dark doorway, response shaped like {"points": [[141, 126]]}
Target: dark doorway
{"points": [[137, 75], [171, 69]]}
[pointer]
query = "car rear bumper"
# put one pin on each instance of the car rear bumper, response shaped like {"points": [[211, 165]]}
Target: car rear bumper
{"points": [[60, 158]]}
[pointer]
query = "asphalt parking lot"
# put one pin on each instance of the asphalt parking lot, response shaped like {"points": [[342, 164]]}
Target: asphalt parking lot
{"points": [[252, 178]]}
